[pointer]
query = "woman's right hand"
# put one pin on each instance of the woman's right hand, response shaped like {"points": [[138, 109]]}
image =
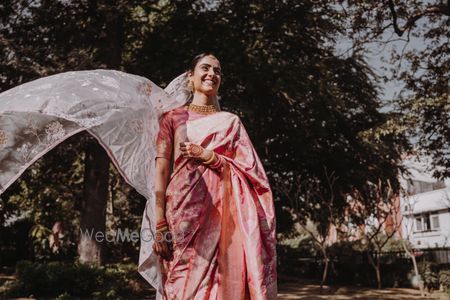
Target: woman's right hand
{"points": [[163, 245]]}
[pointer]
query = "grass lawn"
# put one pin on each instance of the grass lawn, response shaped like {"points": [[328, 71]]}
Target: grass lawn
{"points": [[291, 288]]}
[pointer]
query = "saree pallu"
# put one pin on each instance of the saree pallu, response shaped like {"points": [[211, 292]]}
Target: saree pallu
{"points": [[223, 219]]}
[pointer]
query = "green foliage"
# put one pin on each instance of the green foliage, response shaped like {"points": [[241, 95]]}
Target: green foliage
{"points": [[429, 273], [435, 276], [39, 196], [396, 244], [65, 281], [309, 111], [349, 266], [444, 279], [15, 243]]}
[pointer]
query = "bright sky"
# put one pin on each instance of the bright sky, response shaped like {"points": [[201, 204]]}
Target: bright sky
{"points": [[378, 57]]}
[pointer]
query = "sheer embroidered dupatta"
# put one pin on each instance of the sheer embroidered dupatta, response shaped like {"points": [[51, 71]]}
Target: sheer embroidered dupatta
{"points": [[120, 110]]}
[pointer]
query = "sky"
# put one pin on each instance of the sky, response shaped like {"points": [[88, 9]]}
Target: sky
{"points": [[377, 56]]}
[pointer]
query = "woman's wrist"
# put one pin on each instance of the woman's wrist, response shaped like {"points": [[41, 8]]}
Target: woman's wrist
{"points": [[217, 164], [210, 158], [214, 161], [161, 225]]}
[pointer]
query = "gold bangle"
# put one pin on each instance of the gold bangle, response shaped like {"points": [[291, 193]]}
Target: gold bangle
{"points": [[162, 229], [217, 164], [211, 159]]}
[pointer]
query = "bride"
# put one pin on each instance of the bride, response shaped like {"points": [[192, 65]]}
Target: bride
{"points": [[208, 229]]}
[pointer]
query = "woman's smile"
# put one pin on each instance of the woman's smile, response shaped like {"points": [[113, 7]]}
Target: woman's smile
{"points": [[208, 82]]}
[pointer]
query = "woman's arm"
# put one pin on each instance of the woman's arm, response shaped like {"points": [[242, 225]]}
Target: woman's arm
{"points": [[161, 246], [161, 181]]}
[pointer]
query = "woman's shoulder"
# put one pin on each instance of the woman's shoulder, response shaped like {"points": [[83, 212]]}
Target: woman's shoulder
{"points": [[230, 116], [175, 111]]}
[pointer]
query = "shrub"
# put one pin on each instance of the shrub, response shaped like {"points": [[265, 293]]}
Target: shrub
{"points": [[64, 280], [444, 279], [429, 273]]}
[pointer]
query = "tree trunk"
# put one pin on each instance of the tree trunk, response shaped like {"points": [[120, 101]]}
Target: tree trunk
{"points": [[416, 269], [378, 272], [96, 176], [325, 268], [376, 267], [93, 208]]}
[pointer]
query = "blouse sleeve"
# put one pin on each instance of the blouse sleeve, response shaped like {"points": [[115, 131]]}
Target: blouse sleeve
{"points": [[164, 141]]}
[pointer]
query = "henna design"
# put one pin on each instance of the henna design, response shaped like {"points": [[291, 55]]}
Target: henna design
{"points": [[195, 150]]}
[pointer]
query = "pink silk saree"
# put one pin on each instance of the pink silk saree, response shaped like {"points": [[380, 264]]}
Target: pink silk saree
{"points": [[222, 220]]}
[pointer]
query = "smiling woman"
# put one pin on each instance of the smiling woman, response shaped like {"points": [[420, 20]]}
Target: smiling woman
{"points": [[205, 77], [217, 199]]}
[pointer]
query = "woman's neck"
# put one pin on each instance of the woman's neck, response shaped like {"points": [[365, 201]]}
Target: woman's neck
{"points": [[202, 99]]}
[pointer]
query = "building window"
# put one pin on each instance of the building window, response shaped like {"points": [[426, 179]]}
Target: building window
{"points": [[435, 222], [419, 224], [427, 222]]}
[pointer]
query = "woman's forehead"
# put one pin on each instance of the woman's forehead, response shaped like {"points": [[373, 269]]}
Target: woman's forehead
{"points": [[210, 60]]}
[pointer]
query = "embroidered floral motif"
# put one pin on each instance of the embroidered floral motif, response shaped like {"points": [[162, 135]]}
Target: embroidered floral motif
{"points": [[138, 126], [3, 138], [25, 152], [31, 126], [55, 131], [145, 88], [90, 114]]}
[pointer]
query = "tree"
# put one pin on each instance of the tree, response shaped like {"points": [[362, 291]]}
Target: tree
{"points": [[304, 106], [424, 103], [379, 222], [315, 210]]}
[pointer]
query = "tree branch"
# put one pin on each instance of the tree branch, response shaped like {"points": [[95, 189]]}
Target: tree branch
{"points": [[433, 9]]}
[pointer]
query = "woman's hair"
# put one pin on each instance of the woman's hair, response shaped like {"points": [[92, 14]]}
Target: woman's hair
{"points": [[197, 58], [191, 68]]}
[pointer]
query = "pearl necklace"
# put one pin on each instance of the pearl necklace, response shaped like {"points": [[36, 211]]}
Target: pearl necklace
{"points": [[204, 109]]}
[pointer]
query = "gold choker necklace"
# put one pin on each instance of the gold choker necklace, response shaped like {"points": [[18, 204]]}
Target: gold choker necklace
{"points": [[204, 109]]}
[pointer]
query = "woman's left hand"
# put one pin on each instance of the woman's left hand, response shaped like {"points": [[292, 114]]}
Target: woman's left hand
{"points": [[190, 150]]}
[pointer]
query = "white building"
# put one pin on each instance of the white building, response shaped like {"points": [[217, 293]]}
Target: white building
{"points": [[425, 207]]}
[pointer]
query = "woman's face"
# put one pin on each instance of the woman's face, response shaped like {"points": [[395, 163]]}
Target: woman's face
{"points": [[206, 76]]}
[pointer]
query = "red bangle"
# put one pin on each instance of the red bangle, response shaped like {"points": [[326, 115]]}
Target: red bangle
{"points": [[161, 223]]}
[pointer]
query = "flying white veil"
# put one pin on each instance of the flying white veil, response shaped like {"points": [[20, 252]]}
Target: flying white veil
{"points": [[120, 110]]}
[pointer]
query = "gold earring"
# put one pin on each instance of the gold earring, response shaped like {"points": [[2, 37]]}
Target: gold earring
{"points": [[191, 86]]}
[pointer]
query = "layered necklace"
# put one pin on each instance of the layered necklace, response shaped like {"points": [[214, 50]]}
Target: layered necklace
{"points": [[203, 109]]}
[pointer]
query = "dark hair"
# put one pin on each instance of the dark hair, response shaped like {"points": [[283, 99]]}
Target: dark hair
{"points": [[196, 59]]}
